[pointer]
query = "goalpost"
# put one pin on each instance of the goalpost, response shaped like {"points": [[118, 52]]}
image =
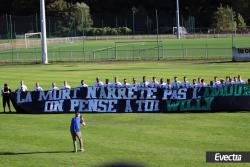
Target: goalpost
{"points": [[42, 34], [182, 31], [139, 48], [28, 35]]}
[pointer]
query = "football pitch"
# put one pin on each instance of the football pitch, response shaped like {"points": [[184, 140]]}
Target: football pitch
{"points": [[150, 139], [91, 50]]}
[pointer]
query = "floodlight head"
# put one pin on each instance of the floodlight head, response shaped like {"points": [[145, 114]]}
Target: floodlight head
{"points": [[133, 9]]}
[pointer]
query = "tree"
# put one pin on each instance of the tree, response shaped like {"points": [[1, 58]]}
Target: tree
{"points": [[225, 19], [241, 25], [82, 16], [202, 10], [70, 18], [242, 7]]}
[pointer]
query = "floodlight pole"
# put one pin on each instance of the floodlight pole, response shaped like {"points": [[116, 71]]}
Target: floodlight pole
{"points": [[157, 32], [43, 33], [133, 12], [157, 25], [233, 32], [178, 19], [83, 44]]}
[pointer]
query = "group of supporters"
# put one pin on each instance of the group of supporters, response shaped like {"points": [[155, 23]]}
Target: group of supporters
{"points": [[175, 84], [200, 82]]}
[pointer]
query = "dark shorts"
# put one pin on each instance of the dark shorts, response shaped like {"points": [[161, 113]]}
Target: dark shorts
{"points": [[76, 135]]}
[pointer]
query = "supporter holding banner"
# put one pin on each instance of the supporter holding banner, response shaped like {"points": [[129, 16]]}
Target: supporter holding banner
{"points": [[132, 99]]}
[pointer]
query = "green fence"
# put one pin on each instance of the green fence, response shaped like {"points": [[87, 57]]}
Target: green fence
{"points": [[113, 55], [111, 48]]}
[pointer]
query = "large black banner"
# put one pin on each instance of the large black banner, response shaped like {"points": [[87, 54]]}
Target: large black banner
{"points": [[110, 100]]}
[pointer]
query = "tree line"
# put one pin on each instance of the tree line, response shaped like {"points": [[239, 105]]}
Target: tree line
{"points": [[87, 13]]}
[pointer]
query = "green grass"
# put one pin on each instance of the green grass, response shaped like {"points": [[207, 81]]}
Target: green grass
{"points": [[152, 139], [74, 72], [98, 49]]}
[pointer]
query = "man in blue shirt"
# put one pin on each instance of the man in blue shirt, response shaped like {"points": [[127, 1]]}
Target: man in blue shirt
{"points": [[75, 129]]}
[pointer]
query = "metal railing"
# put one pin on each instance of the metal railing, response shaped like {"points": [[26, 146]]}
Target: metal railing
{"points": [[36, 42], [111, 54]]}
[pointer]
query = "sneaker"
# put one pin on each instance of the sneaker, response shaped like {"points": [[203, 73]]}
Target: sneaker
{"points": [[82, 150]]}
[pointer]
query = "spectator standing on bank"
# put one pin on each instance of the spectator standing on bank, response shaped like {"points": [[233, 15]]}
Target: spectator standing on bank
{"points": [[185, 83], [168, 85], [6, 96], [107, 84], [144, 83], [134, 84], [194, 84], [162, 84], [176, 84], [83, 84], [154, 83], [53, 86], [38, 87], [240, 80], [202, 84], [217, 82], [22, 87], [98, 83], [65, 85], [116, 83], [125, 83]]}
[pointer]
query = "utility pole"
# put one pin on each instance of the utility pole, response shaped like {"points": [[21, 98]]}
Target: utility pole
{"points": [[43, 33]]}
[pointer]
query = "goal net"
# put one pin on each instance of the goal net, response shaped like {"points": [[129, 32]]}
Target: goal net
{"points": [[32, 40], [123, 45], [5, 46], [183, 31], [139, 49]]}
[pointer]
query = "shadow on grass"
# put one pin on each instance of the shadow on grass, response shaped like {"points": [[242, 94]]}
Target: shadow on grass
{"points": [[221, 62], [13, 112], [106, 69], [130, 113], [34, 152]]}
